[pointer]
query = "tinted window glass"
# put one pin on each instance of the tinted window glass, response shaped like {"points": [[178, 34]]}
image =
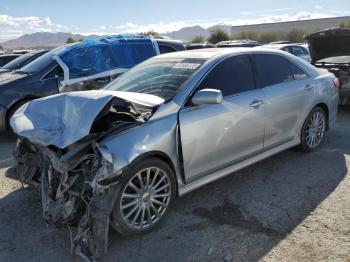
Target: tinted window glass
{"points": [[5, 60], [56, 72], [231, 76], [286, 49], [297, 72], [163, 49], [40, 63], [273, 69], [298, 51]]}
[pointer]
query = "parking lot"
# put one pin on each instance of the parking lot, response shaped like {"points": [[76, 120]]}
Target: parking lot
{"points": [[291, 207]]}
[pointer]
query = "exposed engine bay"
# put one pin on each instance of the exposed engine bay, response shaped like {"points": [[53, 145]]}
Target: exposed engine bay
{"points": [[78, 183]]}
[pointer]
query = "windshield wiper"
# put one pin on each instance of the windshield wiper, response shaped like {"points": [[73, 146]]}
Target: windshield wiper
{"points": [[21, 72]]}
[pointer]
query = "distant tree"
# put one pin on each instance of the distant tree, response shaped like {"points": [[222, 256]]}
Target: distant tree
{"points": [[198, 39], [252, 35], [296, 35], [151, 33], [70, 40], [217, 35], [345, 24], [267, 37], [1, 47]]}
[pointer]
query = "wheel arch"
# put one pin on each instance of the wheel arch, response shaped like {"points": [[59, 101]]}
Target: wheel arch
{"points": [[325, 108], [13, 105], [162, 156]]}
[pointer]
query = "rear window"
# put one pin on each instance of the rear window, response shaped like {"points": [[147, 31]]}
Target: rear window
{"points": [[163, 49]]}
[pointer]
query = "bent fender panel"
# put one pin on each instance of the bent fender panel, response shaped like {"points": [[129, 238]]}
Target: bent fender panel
{"points": [[154, 136]]}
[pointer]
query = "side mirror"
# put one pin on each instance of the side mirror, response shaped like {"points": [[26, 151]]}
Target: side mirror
{"points": [[207, 96]]}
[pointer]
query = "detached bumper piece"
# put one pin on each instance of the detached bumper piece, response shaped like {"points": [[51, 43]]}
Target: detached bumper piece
{"points": [[71, 191]]}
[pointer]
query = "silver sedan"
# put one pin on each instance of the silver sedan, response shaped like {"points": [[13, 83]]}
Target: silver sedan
{"points": [[166, 127]]}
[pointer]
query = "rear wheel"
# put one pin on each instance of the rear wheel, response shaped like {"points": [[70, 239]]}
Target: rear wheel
{"points": [[313, 130], [144, 198]]}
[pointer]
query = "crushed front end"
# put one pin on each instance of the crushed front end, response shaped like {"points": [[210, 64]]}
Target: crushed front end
{"points": [[78, 182], [77, 187]]}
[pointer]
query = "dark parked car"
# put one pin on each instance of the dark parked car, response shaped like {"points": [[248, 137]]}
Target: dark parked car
{"points": [[4, 59], [90, 64], [199, 46], [169, 46], [330, 49], [21, 61]]}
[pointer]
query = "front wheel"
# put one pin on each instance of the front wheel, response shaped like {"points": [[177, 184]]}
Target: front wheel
{"points": [[313, 130], [145, 195]]}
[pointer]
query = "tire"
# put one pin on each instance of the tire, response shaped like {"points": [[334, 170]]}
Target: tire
{"points": [[12, 111], [150, 203], [314, 129]]}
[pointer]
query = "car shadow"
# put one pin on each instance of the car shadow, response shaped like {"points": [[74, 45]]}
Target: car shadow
{"points": [[7, 143], [245, 214]]}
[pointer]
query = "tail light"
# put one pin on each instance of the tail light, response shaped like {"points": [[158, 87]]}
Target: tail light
{"points": [[336, 83]]}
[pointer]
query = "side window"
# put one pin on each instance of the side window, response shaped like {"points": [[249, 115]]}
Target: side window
{"points": [[163, 49], [299, 51], [56, 72], [297, 72], [287, 49], [273, 69], [233, 75]]}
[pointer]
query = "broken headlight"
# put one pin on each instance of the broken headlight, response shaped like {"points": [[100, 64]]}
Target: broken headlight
{"points": [[106, 174]]}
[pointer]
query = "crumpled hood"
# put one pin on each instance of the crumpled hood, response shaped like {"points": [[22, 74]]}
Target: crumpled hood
{"points": [[329, 43], [9, 77], [63, 119]]}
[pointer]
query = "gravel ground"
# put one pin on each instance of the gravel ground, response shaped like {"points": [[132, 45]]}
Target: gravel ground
{"points": [[291, 207]]}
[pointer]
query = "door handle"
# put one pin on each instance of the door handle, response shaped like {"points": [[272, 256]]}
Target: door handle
{"points": [[308, 87], [256, 103]]}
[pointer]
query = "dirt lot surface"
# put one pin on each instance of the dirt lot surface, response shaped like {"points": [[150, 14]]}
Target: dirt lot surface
{"points": [[291, 207]]}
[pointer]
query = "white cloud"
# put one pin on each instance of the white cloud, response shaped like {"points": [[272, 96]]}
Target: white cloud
{"points": [[267, 11], [163, 27], [12, 27]]}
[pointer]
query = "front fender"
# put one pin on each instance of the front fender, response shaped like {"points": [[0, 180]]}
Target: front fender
{"points": [[159, 135]]}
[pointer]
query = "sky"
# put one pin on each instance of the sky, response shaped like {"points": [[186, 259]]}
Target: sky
{"points": [[18, 17]]}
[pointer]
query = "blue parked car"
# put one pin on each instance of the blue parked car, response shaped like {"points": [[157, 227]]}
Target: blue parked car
{"points": [[86, 65]]}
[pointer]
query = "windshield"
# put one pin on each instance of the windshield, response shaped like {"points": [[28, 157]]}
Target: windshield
{"points": [[162, 77], [16, 63], [41, 62], [335, 60]]}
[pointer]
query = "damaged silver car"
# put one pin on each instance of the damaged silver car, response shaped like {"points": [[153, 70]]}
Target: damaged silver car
{"points": [[120, 156]]}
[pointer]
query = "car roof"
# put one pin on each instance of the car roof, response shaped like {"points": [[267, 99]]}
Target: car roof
{"points": [[209, 53], [278, 46], [10, 55]]}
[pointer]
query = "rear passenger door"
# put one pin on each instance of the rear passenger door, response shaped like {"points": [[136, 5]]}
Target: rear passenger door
{"points": [[288, 93]]}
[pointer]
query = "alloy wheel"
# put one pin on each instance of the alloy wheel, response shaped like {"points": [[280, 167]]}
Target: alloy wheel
{"points": [[316, 128], [145, 198]]}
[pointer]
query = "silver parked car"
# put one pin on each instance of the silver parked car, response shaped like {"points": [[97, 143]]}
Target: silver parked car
{"points": [[166, 127], [299, 50]]}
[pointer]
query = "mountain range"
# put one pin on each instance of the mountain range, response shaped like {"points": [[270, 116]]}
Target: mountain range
{"points": [[47, 39]]}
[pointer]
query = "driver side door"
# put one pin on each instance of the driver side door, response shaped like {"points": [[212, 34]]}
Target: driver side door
{"points": [[215, 136]]}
